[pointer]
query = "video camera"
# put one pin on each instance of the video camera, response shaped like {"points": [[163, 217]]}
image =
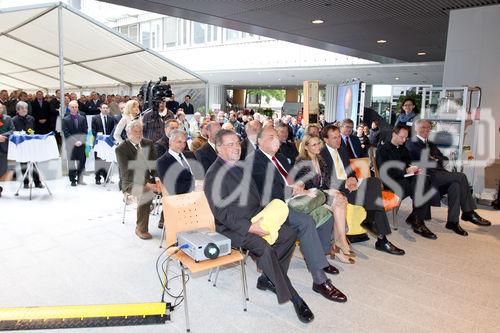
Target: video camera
{"points": [[153, 93]]}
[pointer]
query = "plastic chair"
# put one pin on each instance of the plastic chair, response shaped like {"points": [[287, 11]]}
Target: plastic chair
{"points": [[190, 211]]}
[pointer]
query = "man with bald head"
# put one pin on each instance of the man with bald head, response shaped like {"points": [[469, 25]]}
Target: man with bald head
{"points": [[206, 155], [75, 128]]}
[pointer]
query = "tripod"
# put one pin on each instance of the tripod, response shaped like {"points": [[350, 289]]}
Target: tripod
{"points": [[27, 174]]}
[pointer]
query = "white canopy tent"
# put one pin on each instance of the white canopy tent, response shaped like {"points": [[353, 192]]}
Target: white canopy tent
{"points": [[43, 43]]}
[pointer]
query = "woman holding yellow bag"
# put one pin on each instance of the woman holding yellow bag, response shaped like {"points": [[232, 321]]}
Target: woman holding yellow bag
{"points": [[308, 169]]}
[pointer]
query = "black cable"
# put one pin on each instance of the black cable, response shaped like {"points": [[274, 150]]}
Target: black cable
{"points": [[164, 268]]}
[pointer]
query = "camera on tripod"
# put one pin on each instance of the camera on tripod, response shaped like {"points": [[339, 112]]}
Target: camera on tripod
{"points": [[154, 93]]}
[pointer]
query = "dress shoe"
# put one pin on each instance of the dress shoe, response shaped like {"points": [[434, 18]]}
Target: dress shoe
{"points": [[39, 185], [338, 253], [388, 247], [73, 183], [330, 269], [26, 185], [420, 228], [98, 182], [303, 312], [328, 290], [263, 283], [143, 234], [475, 218], [455, 226]]}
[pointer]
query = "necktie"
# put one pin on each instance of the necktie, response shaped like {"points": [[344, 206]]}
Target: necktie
{"points": [[282, 171], [349, 148], [340, 171], [105, 124], [76, 122], [183, 162]]}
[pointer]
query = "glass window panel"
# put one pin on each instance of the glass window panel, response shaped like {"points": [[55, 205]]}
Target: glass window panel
{"points": [[199, 33], [170, 32]]}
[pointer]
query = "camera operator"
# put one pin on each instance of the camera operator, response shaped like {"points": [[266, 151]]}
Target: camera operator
{"points": [[154, 121]]}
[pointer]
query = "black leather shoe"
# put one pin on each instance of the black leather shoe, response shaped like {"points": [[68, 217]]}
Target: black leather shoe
{"points": [[263, 283], [40, 185], [330, 269], [476, 219], [98, 182], [26, 185], [455, 226], [389, 248], [303, 312], [420, 228], [73, 183], [328, 290]]}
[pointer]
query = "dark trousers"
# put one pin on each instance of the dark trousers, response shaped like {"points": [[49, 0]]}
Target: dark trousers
{"points": [[76, 163], [36, 177], [421, 210], [101, 168], [455, 184], [369, 195], [274, 260]]}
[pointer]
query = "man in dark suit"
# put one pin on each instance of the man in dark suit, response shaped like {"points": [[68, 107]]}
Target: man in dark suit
{"points": [[172, 104], [350, 142], [41, 112], [136, 158], [161, 145], [93, 104], [454, 184], [187, 106], [206, 155], [102, 123], [75, 129], [270, 173], [232, 219], [322, 122], [249, 144], [287, 147], [403, 178], [54, 110], [367, 194]]}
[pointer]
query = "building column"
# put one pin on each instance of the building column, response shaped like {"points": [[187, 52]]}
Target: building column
{"points": [[216, 97], [330, 102], [291, 95], [239, 97]]}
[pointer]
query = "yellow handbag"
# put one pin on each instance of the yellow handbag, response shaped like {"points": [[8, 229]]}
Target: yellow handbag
{"points": [[354, 216], [273, 216]]}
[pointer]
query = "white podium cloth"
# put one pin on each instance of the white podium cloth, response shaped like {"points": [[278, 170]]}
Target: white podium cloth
{"points": [[105, 148], [32, 148]]}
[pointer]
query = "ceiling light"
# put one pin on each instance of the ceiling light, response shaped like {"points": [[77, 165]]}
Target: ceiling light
{"points": [[421, 53], [317, 21], [279, 79], [396, 78], [381, 41]]}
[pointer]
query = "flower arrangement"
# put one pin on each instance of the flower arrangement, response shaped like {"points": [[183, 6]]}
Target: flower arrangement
{"points": [[30, 131]]}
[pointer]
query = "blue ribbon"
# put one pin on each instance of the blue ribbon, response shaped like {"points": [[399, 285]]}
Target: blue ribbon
{"points": [[106, 138], [20, 138]]}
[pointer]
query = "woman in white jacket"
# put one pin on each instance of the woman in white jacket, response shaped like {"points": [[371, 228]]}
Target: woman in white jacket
{"points": [[130, 113]]}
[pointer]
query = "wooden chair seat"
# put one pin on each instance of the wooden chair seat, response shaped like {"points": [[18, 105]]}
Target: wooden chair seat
{"points": [[196, 267]]}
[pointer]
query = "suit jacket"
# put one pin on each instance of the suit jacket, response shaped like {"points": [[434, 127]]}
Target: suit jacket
{"points": [[269, 188], [72, 133], [126, 152], [206, 155], [232, 219], [97, 125], [54, 113], [187, 109], [415, 146], [5, 130], [176, 178], [305, 172], [289, 150], [246, 148], [332, 181], [23, 123], [172, 106], [41, 112], [355, 145], [161, 146], [93, 107]]}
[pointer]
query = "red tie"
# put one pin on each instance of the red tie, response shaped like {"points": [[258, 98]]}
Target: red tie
{"points": [[349, 148], [281, 170]]}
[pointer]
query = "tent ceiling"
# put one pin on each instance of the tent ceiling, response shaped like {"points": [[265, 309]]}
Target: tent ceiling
{"points": [[94, 55]]}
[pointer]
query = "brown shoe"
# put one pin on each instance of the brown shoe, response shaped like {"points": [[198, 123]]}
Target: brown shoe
{"points": [[143, 234]]}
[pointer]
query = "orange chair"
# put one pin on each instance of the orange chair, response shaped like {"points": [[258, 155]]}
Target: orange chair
{"points": [[390, 200], [190, 211]]}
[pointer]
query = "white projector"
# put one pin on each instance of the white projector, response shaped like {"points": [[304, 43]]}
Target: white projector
{"points": [[202, 244]]}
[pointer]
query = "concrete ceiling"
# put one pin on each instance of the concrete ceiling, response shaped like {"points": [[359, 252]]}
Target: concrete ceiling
{"points": [[350, 27], [395, 74]]}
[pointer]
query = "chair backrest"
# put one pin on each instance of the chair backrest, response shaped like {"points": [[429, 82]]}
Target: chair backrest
{"points": [[372, 154], [185, 212], [361, 167]]}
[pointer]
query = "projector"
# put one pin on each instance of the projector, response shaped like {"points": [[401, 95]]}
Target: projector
{"points": [[203, 244]]}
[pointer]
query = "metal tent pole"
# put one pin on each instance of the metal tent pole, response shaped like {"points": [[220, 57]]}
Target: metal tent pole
{"points": [[62, 104]]}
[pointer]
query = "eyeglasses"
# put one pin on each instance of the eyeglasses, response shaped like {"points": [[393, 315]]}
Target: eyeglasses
{"points": [[230, 144]]}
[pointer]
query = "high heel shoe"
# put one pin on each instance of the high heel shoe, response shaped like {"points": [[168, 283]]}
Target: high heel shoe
{"points": [[351, 251], [341, 256]]}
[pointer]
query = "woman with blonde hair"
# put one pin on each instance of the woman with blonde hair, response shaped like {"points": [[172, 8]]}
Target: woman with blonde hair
{"points": [[311, 170], [131, 112]]}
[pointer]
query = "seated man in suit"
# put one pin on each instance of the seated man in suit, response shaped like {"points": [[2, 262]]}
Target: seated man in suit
{"points": [[367, 194], [234, 200], [136, 158], [102, 123], [249, 144], [287, 147], [206, 155], [350, 142], [200, 138], [75, 128], [406, 179], [270, 173], [455, 184], [161, 145]]}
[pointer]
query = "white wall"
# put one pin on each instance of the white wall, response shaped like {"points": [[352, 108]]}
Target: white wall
{"points": [[473, 58]]}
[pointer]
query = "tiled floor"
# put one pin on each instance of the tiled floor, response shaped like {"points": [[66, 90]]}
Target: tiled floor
{"points": [[72, 249]]}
